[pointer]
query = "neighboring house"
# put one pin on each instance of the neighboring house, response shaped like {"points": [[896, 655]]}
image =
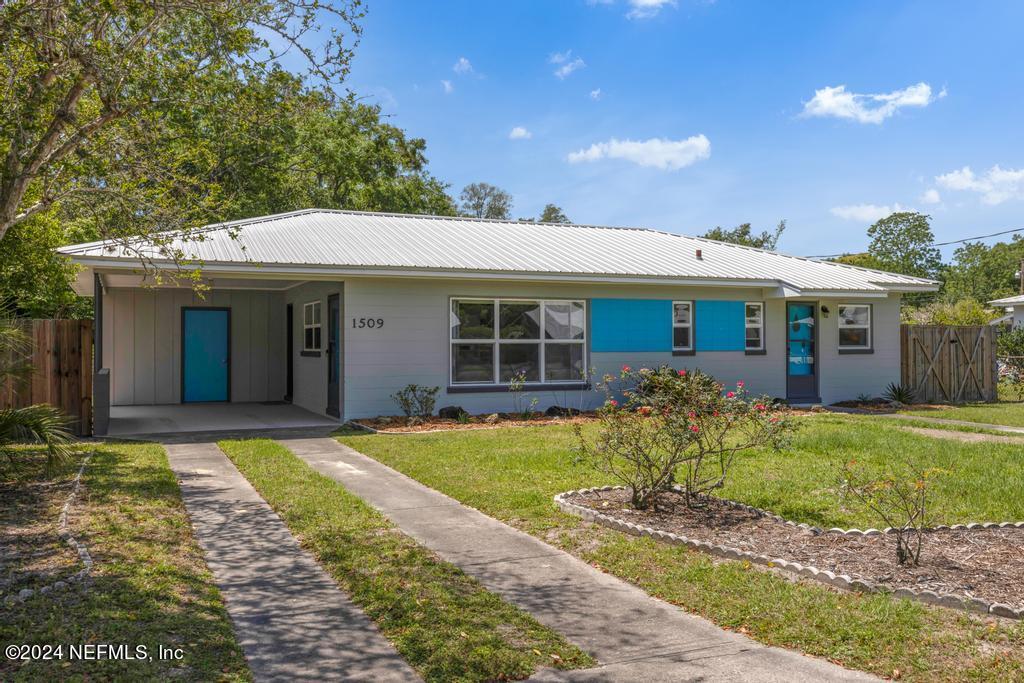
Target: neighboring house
{"points": [[1014, 307], [336, 310]]}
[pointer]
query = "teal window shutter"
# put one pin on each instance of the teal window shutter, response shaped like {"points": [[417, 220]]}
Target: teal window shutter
{"points": [[631, 325], [720, 326]]}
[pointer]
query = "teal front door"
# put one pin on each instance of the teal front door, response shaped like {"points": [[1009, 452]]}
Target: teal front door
{"points": [[801, 352], [205, 354]]}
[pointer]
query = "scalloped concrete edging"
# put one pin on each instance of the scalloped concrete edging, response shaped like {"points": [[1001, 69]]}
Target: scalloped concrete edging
{"points": [[841, 581], [62, 531]]}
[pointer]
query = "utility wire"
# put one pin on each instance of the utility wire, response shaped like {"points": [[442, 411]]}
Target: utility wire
{"points": [[939, 244]]}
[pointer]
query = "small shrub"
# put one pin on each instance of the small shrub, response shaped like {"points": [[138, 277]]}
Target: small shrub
{"points": [[520, 406], [417, 401], [672, 421], [900, 393], [899, 498]]}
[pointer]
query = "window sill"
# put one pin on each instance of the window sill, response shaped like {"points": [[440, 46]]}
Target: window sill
{"points": [[854, 352], [504, 388], [310, 354], [684, 352], [755, 352]]}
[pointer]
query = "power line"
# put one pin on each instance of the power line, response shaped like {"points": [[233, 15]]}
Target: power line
{"points": [[940, 244]]}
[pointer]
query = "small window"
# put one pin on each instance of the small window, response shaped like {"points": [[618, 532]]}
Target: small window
{"points": [[754, 324], [682, 325], [854, 326], [311, 328]]}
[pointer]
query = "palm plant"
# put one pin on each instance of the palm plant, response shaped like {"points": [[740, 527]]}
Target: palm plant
{"points": [[41, 423]]}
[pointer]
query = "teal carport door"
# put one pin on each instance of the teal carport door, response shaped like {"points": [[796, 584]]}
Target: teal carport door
{"points": [[205, 354]]}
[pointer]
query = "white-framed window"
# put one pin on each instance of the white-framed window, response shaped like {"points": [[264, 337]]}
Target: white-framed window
{"points": [[312, 330], [754, 325], [494, 341], [854, 326], [682, 326]]}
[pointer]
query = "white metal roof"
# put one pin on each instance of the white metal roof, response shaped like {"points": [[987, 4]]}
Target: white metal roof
{"points": [[349, 241], [1009, 301]]}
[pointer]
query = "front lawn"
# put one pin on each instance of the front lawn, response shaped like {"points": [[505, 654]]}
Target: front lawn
{"points": [[150, 585], [1007, 411], [512, 474], [445, 624]]}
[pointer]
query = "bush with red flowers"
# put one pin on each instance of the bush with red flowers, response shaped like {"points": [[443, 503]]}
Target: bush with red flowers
{"points": [[678, 426]]}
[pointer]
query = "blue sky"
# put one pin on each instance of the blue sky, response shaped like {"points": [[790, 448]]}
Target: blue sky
{"points": [[685, 115]]}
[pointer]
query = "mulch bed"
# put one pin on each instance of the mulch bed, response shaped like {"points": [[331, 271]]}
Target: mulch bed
{"points": [[980, 563], [407, 425]]}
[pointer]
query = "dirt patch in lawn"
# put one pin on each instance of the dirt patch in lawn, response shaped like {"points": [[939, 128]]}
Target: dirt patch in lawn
{"points": [[979, 563], [493, 421], [31, 553], [966, 437]]}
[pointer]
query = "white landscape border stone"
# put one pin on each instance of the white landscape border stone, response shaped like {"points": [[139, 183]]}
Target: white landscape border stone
{"points": [[62, 531], [841, 581]]}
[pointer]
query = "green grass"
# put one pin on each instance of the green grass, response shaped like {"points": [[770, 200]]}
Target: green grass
{"points": [[1004, 412], [447, 626], [512, 474], [150, 584]]}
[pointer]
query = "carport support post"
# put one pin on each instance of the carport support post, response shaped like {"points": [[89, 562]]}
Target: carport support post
{"points": [[101, 375]]}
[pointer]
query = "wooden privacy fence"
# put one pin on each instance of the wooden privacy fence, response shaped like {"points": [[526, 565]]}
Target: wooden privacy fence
{"points": [[949, 364], [61, 358]]}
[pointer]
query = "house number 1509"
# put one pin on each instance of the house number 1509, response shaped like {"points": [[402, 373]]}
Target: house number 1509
{"points": [[359, 323]]}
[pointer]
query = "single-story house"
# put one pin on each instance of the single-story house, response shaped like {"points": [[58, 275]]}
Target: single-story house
{"points": [[335, 311], [1014, 307]]}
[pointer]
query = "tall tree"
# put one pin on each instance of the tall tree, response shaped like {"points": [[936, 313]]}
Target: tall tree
{"points": [[87, 86], [483, 200], [743, 234], [984, 272], [553, 214], [904, 243]]}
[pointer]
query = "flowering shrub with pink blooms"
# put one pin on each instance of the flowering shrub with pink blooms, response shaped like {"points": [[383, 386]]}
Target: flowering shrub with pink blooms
{"points": [[674, 426]]}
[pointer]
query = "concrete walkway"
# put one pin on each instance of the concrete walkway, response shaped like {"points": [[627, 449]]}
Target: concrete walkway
{"points": [[291, 619], [966, 437], [634, 636]]}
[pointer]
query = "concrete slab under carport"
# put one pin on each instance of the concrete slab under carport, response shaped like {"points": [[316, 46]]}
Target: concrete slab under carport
{"points": [[210, 417]]}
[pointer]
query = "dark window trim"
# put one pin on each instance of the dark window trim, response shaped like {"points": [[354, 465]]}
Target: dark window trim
{"points": [[691, 352], [756, 352], [309, 354], [504, 388], [854, 350]]}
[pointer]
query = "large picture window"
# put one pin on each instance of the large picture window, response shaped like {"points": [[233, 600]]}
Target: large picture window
{"points": [[311, 326], [493, 341], [682, 326], [854, 327], [754, 326]]}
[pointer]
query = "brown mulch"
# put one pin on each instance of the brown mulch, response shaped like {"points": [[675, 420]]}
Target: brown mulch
{"points": [[406, 425], [980, 563]]}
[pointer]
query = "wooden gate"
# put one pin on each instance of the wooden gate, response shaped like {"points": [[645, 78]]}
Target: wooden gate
{"points": [[61, 358], [949, 364]]}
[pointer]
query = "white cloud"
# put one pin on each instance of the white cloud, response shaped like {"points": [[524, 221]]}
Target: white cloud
{"points": [[668, 155], [995, 186], [865, 213], [462, 66], [838, 102], [930, 196], [519, 133], [595, 94], [645, 9], [566, 63], [447, 87]]}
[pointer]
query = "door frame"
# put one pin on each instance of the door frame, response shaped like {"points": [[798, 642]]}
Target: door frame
{"points": [[334, 328], [816, 398], [227, 309]]}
